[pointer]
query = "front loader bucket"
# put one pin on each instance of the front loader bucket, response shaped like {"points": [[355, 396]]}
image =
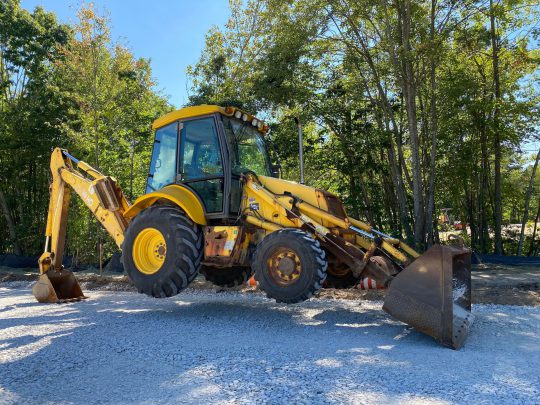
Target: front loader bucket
{"points": [[57, 286], [433, 294]]}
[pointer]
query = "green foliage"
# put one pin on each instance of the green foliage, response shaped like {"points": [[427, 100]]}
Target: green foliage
{"points": [[362, 75], [31, 110], [70, 87], [115, 104], [397, 100]]}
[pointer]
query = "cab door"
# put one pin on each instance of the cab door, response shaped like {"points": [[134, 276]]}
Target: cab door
{"points": [[201, 162], [163, 164]]}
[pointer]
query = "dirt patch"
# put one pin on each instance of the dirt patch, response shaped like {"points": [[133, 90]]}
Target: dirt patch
{"points": [[507, 285], [525, 294], [12, 277], [495, 284], [506, 296], [106, 283]]}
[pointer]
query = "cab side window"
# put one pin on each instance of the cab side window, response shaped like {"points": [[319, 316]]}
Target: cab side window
{"points": [[163, 164]]}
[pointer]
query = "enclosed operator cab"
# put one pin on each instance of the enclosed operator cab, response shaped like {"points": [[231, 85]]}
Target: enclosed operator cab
{"points": [[206, 149]]}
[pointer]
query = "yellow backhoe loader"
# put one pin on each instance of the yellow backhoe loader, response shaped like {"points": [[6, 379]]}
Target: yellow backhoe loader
{"points": [[214, 204]]}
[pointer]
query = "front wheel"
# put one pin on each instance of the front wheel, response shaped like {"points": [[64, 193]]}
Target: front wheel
{"points": [[290, 265], [162, 251]]}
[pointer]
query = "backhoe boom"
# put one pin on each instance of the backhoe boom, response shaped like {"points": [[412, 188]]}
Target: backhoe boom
{"points": [[105, 200]]}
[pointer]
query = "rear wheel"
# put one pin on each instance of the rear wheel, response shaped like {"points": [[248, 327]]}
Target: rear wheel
{"points": [[340, 276], [162, 251], [289, 265], [227, 276]]}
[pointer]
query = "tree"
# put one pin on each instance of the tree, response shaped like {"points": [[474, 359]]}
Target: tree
{"points": [[70, 87], [400, 101], [115, 105], [30, 110], [223, 75], [528, 196]]}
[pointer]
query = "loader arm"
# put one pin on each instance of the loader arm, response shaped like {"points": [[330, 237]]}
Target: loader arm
{"points": [[431, 292], [288, 210], [105, 200]]}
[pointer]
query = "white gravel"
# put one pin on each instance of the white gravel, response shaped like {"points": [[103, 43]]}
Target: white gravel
{"points": [[202, 347]]}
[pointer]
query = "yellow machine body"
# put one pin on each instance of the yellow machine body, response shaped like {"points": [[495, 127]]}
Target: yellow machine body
{"points": [[175, 194], [430, 292]]}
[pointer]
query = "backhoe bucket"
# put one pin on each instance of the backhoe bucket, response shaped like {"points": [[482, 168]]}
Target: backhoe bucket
{"points": [[57, 287], [433, 294]]}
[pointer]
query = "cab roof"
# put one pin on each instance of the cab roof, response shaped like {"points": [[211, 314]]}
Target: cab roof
{"points": [[187, 112], [199, 110]]}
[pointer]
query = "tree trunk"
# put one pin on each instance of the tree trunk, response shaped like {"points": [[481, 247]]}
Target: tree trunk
{"points": [[10, 225], [531, 248], [400, 192], [409, 93], [497, 135], [401, 155], [527, 204], [433, 134], [389, 198], [536, 219], [483, 226], [367, 201]]}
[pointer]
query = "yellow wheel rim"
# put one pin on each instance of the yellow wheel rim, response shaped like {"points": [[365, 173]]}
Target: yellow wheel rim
{"points": [[284, 266], [149, 251]]}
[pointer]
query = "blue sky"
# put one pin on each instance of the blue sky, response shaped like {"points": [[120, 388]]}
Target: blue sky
{"points": [[169, 32]]}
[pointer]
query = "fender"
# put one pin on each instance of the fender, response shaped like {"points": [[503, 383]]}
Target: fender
{"points": [[178, 195]]}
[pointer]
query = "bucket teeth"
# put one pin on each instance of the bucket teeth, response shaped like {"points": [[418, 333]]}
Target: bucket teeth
{"points": [[433, 295], [461, 325]]}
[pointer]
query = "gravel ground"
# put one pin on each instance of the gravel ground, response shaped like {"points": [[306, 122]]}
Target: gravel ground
{"points": [[491, 284], [201, 347]]}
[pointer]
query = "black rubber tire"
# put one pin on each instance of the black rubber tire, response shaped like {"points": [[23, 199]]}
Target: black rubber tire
{"points": [[182, 262], [312, 258], [228, 277]]}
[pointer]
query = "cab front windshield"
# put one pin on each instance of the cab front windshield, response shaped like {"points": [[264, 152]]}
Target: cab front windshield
{"points": [[247, 147]]}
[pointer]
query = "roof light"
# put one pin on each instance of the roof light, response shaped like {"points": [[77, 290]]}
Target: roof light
{"points": [[229, 110], [238, 114], [244, 117], [255, 122]]}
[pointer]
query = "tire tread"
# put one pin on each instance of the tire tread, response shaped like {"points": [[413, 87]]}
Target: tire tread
{"points": [[310, 244], [187, 246]]}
